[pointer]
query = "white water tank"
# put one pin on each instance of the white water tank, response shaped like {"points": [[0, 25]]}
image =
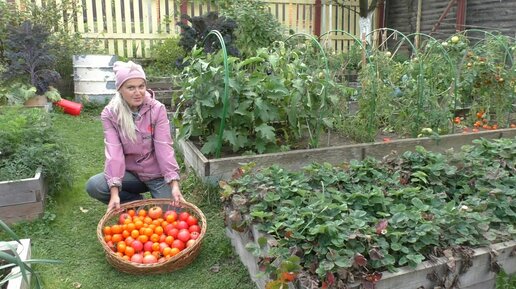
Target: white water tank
{"points": [[94, 79]]}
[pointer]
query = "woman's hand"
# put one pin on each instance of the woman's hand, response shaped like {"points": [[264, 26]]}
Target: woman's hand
{"points": [[176, 192], [114, 201]]}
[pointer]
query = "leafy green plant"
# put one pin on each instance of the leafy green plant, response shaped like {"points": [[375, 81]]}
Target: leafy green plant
{"points": [[256, 26], [487, 78], [29, 141], [166, 57], [62, 42], [29, 56], [12, 259], [200, 26], [369, 216], [435, 84], [275, 102]]}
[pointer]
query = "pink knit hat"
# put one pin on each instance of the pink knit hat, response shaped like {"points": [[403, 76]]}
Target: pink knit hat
{"points": [[125, 71]]}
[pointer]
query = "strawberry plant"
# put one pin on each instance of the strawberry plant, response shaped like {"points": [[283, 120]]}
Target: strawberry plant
{"points": [[375, 215]]}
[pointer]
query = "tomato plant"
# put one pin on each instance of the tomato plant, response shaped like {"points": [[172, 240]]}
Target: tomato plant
{"points": [[276, 99]]}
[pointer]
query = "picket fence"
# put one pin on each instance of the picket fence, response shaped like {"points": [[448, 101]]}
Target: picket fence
{"points": [[129, 28]]}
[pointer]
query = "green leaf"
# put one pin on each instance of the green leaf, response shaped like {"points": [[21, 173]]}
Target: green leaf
{"points": [[419, 204], [343, 262], [262, 241], [421, 176], [9, 232], [210, 146], [266, 132]]}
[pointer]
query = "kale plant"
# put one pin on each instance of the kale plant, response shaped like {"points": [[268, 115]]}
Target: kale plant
{"points": [[200, 26], [29, 56]]}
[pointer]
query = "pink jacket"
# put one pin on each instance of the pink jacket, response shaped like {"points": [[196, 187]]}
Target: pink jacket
{"points": [[151, 156]]}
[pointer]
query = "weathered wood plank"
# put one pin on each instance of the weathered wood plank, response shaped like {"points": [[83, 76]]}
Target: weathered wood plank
{"points": [[22, 191], [22, 199], [446, 142], [292, 160], [23, 212], [196, 160], [222, 168], [479, 276]]}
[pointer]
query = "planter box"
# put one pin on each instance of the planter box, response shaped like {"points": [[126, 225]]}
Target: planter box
{"points": [[165, 90], [479, 276], [22, 199], [212, 170], [25, 253]]}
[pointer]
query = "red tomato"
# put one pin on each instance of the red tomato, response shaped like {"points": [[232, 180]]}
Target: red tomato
{"points": [[183, 235], [147, 247], [184, 216], [182, 225], [137, 245], [173, 232], [178, 244], [194, 235], [170, 216], [191, 220], [155, 212], [168, 227], [149, 259], [190, 243], [137, 258], [194, 228], [123, 217], [162, 246]]}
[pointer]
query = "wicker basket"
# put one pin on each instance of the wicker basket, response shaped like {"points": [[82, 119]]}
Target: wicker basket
{"points": [[179, 261]]}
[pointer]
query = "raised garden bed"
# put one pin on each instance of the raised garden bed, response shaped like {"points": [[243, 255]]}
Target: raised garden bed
{"points": [[24, 251], [421, 219], [222, 168], [480, 273], [22, 200], [165, 90]]}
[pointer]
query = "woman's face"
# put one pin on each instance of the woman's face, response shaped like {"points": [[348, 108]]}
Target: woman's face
{"points": [[133, 92]]}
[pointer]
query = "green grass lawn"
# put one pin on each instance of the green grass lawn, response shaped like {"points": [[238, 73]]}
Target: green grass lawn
{"points": [[67, 232]]}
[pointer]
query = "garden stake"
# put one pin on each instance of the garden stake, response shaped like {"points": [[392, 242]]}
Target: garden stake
{"points": [[226, 89]]}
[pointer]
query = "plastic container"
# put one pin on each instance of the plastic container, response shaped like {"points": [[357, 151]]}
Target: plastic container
{"points": [[69, 107]]}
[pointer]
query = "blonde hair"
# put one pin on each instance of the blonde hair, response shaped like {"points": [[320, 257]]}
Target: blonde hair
{"points": [[124, 116]]}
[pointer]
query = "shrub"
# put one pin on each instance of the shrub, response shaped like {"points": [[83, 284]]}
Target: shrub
{"points": [[276, 101], [200, 26], [63, 44], [29, 57], [166, 57], [256, 27], [28, 141]]}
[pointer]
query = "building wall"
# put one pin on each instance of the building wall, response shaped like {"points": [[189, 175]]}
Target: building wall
{"points": [[490, 15]]}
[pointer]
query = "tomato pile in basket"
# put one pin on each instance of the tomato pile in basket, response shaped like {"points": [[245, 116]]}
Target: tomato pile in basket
{"points": [[151, 236]]}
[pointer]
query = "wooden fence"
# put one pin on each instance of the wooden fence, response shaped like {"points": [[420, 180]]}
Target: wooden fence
{"points": [[129, 28]]}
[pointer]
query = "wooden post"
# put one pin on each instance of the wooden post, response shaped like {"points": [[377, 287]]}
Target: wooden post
{"points": [[418, 22], [184, 9], [461, 15], [317, 24]]}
